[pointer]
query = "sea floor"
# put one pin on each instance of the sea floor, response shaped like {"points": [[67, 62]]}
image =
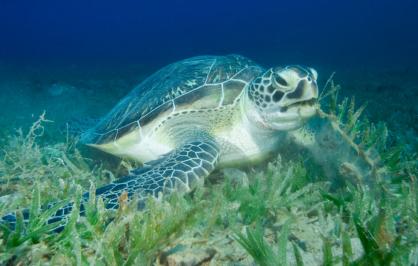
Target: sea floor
{"points": [[294, 227]]}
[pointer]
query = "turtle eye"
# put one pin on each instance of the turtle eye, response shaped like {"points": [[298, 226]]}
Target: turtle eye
{"points": [[279, 80], [309, 79]]}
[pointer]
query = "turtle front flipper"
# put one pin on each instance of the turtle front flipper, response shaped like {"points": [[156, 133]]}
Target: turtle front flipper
{"points": [[179, 170]]}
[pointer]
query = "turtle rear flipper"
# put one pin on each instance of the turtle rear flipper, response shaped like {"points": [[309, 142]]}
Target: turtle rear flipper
{"points": [[179, 170]]}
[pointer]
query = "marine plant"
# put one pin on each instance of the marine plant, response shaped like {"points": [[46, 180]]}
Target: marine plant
{"points": [[379, 207], [278, 215]]}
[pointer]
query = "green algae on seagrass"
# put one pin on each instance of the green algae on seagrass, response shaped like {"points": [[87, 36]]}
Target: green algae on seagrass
{"points": [[352, 215]]}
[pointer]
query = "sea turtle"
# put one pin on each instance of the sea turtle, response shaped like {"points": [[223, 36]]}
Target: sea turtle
{"points": [[198, 114]]}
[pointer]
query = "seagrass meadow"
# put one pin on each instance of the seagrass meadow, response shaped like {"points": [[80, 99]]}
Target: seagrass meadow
{"points": [[354, 202]]}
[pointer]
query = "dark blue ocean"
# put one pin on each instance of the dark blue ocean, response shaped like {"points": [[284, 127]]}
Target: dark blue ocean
{"points": [[320, 33]]}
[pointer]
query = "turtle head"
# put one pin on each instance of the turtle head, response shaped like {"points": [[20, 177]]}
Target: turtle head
{"points": [[282, 98]]}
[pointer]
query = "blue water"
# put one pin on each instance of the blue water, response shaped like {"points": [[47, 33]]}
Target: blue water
{"points": [[337, 34], [54, 54]]}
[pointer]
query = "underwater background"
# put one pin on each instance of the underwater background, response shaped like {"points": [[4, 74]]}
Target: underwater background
{"points": [[106, 47], [77, 59]]}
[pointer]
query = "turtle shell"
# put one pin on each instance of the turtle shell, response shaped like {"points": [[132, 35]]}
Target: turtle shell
{"points": [[177, 86]]}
